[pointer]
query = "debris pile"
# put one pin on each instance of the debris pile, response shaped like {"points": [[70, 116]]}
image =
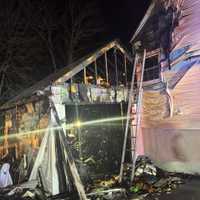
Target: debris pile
{"points": [[151, 180], [112, 194], [107, 189]]}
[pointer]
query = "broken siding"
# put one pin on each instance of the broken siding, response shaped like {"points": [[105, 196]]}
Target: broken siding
{"points": [[22, 128], [186, 104], [186, 97], [188, 29], [155, 107], [173, 143]]}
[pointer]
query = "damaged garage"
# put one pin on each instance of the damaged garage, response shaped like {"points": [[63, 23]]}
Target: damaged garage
{"points": [[112, 125], [61, 130]]}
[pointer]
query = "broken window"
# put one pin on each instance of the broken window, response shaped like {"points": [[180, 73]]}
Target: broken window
{"points": [[152, 69]]}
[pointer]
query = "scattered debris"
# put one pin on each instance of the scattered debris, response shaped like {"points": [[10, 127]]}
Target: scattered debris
{"points": [[28, 194], [112, 194], [151, 180]]}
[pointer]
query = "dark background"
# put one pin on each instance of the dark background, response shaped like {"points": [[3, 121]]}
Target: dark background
{"points": [[40, 37], [122, 18]]}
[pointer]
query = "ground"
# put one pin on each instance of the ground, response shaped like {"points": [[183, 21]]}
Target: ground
{"points": [[190, 190]]}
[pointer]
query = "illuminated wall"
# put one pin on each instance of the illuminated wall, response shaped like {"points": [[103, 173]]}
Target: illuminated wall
{"points": [[23, 128], [173, 143]]}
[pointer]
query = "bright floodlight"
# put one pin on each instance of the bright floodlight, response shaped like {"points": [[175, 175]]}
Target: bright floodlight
{"points": [[78, 124]]}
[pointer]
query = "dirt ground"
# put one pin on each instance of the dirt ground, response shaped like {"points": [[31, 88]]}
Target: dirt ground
{"points": [[188, 191]]}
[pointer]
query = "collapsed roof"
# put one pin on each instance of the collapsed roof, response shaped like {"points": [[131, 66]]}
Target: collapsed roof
{"points": [[66, 73]]}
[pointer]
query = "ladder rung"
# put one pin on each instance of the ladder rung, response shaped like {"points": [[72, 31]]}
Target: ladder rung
{"points": [[131, 150], [135, 97], [133, 117]]}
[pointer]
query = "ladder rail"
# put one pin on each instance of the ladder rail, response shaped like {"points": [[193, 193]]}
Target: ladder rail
{"points": [[127, 120], [134, 130], [138, 116]]}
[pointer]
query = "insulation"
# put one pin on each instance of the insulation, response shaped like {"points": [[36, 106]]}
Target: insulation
{"points": [[155, 107]]}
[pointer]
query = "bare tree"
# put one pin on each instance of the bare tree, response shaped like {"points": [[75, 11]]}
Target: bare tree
{"points": [[10, 37], [66, 30], [41, 16], [17, 48], [80, 23], [34, 33]]}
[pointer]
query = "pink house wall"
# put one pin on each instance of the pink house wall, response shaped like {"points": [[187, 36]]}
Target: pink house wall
{"points": [[174, 143]]}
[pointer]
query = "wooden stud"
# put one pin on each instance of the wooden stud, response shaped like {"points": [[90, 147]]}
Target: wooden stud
{"points": [[125, 71], [96, 72], [85, 75], [116, 68], [106, 65]]}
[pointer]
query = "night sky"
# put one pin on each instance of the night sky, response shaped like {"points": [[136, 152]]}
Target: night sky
{"points": [[122, 17], [41, 33]]}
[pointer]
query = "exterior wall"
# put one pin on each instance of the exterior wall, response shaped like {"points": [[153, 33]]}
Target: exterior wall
{"points": [[173, 143], [22, 129]]}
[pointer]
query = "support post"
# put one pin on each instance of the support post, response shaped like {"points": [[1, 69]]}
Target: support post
{"points": [[69, 157], [116, 68], [79, 132], [106, 65], [96, 72], [125, 70], [85, 75]]}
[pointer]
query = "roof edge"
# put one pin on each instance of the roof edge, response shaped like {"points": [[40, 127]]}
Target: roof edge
{"points": [[144, 20]]}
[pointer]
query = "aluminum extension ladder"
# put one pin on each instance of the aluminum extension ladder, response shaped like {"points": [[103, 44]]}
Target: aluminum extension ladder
{"points": [[133, 115]]}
